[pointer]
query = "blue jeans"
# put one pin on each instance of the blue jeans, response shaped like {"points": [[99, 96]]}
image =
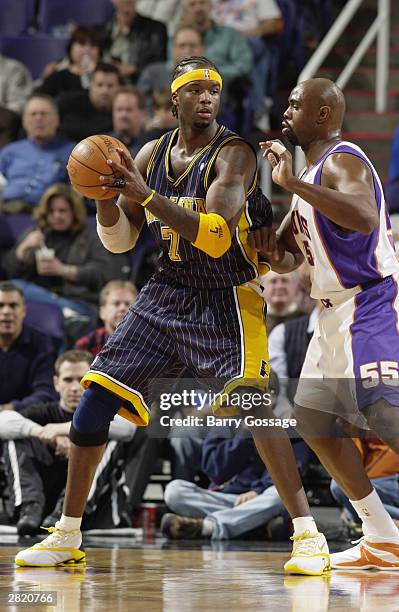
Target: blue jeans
{"points": [[187, 499], [386, 487]]}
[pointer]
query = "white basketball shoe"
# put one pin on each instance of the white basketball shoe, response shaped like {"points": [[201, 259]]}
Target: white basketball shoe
{"points": [[59, 548], [310, 555], [370, 552]]}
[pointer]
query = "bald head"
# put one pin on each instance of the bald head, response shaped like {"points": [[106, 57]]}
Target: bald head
{"points": [[326, 93], [316, 112]]}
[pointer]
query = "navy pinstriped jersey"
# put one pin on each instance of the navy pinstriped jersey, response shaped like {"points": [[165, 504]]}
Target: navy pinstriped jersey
{"points": [[180, 261]]}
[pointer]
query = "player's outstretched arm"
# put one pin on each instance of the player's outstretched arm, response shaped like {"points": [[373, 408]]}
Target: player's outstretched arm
{"points": [[235, 168], [346, 195]]}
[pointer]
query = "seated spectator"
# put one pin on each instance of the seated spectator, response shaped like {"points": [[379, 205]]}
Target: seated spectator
{"points": [[259, 22], [128, 116], [287, 344], [61, 260], [15, 84], [73, 72], [15, 87], [228, 49], [382, 467], [37, 452], [115, 299], [166, 11], [187, 41], [133, 41], [90, 111], [29, 166], [26, 355], [241, 495], [162, 119], [280, 293]]}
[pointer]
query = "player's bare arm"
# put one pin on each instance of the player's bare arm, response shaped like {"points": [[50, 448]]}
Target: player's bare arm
{"points": [[235, 168], [346, 195], [278, 247]]}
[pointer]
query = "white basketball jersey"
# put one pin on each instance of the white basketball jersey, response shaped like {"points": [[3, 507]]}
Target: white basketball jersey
{"points": [[341, 262]]}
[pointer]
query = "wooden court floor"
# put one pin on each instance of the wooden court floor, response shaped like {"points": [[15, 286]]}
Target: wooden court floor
{"points": [[151, 579]]}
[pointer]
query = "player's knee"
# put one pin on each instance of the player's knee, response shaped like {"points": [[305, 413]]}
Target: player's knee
{"points": [[92, 418], [174, 492]]}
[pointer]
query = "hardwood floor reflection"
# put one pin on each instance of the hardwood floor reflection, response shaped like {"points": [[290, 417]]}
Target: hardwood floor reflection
{"points": [[152, 579]]}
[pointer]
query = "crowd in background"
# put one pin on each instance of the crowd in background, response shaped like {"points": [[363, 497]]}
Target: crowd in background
{"points": [[62, 294]]}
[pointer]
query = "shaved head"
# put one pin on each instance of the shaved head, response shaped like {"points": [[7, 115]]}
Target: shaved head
{"points": [[316, 112], [326, 93]]}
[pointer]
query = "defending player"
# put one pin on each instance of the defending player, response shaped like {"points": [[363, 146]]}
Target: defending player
{"points": [[200, 199], [339, 224]]}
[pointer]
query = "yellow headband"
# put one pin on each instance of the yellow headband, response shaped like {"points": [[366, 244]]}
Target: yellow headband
{"points": [[202, 74]]}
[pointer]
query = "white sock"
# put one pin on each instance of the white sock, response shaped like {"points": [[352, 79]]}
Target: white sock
{"points": [[207, 528], [69, 523], [304, 523], [376, 520]]}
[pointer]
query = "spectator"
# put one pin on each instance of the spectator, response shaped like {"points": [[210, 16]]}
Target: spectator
{"points": [[287, 345], [90, 112], [38, 449], [187, 41], [224, 46], [115, 299], [166, 11], [73, 72], [61, 260], [133, 41], [280, 292], [26, 355], [382, 467], [259, 21], [15, 87], [29, 166], [229, 50], [162, 119], [241, 495], [15, 84], [128, 116]]}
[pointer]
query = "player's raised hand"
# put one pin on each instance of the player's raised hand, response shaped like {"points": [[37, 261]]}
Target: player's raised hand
{"points": [[128, 181], [281, 161]]}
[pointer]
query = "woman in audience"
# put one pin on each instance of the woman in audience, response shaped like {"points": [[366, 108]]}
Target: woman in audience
{"points": [[73, 72], [61, 260]]}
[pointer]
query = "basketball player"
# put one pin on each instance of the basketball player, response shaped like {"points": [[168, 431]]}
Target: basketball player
{"points": [[339, 224], [196, 189]]}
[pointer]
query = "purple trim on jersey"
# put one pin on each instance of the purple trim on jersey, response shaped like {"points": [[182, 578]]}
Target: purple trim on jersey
{"points": [[375, 338], [351, 254]]}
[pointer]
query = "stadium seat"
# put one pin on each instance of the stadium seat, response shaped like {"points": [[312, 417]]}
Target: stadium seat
{"points": [[11, 227], [16, 16], [56, 13], [48, 319], [33, 51]]}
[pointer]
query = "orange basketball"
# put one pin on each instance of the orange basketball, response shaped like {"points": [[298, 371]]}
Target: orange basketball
{"points": [[88, 161]]}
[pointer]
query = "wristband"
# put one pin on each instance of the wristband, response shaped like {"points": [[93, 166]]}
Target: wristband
{"points": [[147, 200]]}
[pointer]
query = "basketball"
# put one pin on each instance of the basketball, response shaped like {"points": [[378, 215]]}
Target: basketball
{"points": [[88, 161]]}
